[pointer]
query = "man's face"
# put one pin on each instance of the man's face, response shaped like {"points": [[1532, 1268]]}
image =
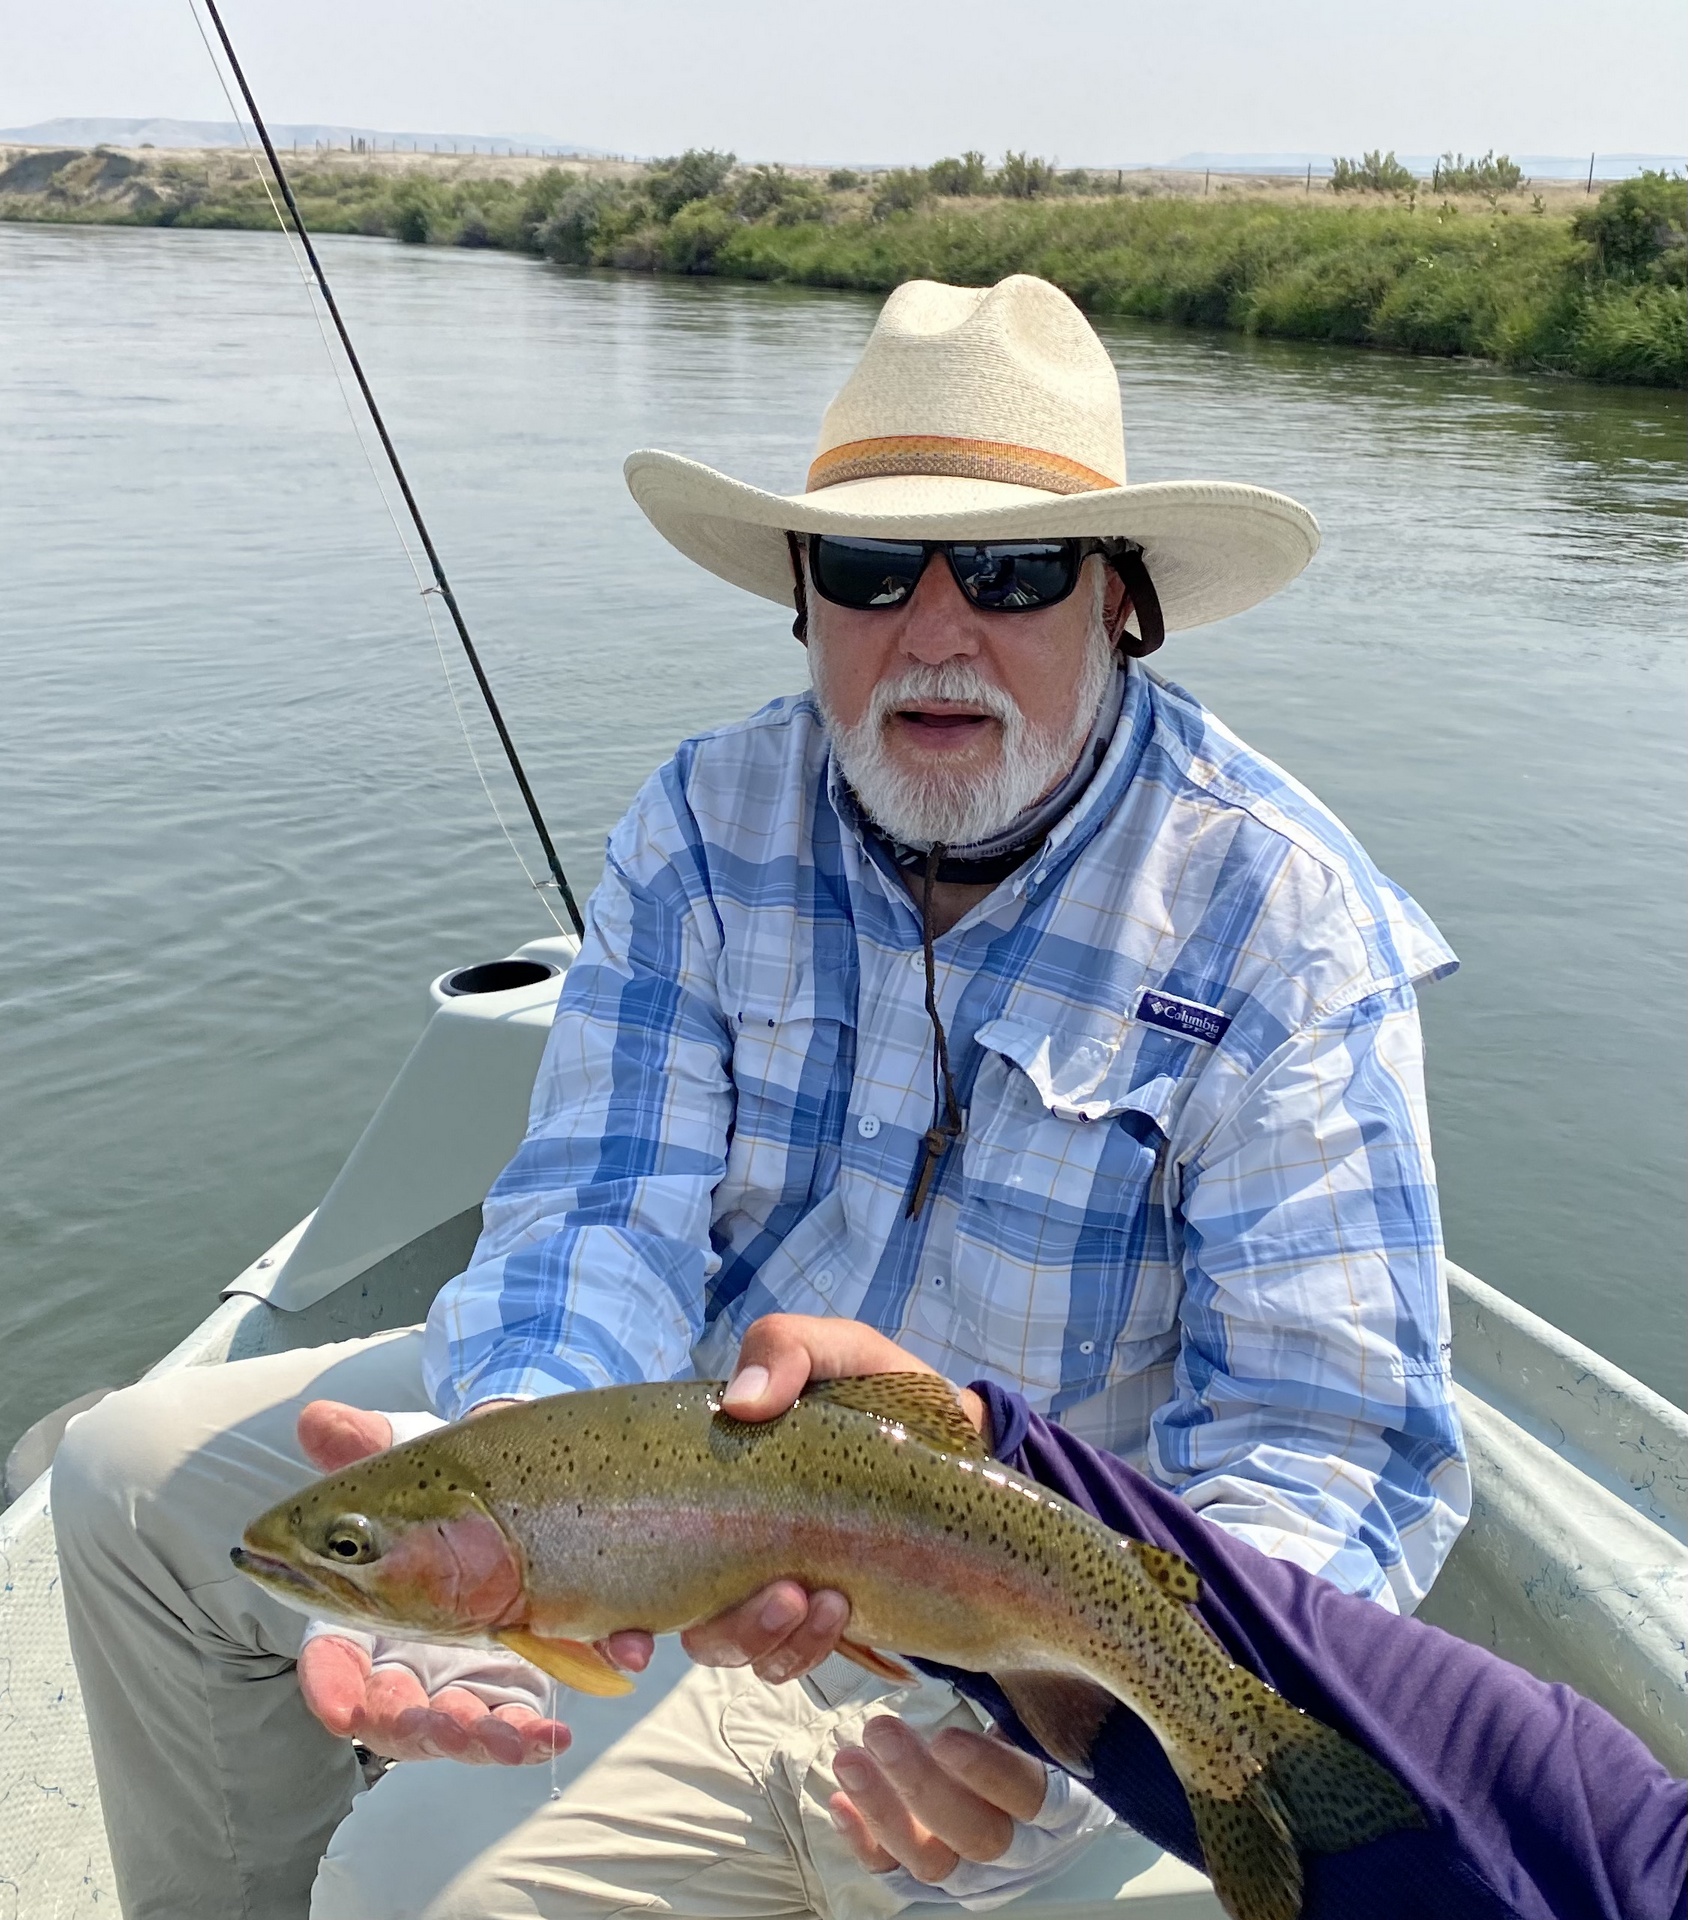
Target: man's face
{"points": [[944, 716]]}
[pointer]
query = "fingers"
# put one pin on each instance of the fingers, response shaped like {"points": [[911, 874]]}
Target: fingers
{"points": [[332, 1676], [905, 1804], [782, 1352], [884, 1830], [950, 1810], [390, 1713], [994, 1770], [856, 1831], [512, 1736], [781, 1632], [394, 1719], [541, 1738], [333, 1434], [631, 1650]]}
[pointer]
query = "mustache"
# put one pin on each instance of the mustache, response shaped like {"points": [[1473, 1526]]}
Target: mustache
{"points": [[956, 681]]}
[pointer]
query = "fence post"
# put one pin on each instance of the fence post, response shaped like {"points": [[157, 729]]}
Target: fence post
{"points": [[1590, 187], [1309, 176]]}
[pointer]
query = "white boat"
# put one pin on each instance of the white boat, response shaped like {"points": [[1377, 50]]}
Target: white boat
{"points": [[1573, 1565]]}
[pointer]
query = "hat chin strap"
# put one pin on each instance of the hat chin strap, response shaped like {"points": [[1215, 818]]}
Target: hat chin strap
{"points": [[799, 588], [1142, 600]]}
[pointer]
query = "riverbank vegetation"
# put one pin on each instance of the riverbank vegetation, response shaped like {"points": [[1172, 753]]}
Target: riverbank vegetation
{"points": [[1470, 262]]}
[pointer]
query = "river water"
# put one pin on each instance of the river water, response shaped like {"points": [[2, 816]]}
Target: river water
{"points": [[239, 830]]}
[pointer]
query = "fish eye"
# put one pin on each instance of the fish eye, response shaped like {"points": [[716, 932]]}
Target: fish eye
{"points": [[350, 1539]]}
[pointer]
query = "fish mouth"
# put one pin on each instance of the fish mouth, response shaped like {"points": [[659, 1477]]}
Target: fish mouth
{"points": [[268, 1571]]}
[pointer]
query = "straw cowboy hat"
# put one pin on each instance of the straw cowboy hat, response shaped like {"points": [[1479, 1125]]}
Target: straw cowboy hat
{"points": [[984, 413]]}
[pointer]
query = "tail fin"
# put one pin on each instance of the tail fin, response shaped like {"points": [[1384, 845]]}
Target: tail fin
{"points": [[1335, 1795], [1249, 1852], [1316, 1792]]}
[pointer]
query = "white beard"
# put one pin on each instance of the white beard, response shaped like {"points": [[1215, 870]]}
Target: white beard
{"points": [[935, 806]]}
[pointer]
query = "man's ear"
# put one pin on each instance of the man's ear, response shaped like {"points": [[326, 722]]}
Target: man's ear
{"points": [[1116, 605]]}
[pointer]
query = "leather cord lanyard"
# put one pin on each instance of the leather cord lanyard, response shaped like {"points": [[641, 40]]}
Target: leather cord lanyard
{"points": [[947, 1126]]}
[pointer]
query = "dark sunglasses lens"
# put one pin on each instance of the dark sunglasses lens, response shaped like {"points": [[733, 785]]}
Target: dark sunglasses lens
{"points": [[865, 573], [1007, 576]]}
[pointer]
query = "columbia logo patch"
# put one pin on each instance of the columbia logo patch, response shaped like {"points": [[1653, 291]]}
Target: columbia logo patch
{"points": [[1189, 1019]]}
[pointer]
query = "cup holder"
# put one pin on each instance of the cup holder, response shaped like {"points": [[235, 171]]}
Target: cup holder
{"points": [[497, 976]]}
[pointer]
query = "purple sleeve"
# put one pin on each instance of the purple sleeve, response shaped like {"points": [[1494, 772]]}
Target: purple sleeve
{"points": [[1541, 1806]]}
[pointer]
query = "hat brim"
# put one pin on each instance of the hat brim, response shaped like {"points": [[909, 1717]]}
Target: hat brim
{"points": [[1212, 547]]}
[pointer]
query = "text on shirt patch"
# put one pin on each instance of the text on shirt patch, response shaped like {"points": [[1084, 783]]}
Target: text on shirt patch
{"points": [[1187, 1018]]}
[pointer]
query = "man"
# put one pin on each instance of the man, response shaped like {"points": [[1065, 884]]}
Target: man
{"points": [[993, 995]]}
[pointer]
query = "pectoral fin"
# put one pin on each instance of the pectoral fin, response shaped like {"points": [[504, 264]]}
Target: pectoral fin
{"points": [[573, 1662], [876, 1663], [1061, 1712]]}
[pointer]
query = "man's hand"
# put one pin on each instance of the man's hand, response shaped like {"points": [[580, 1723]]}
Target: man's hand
{"points": [[382, 1700], [783, 1632], [929, 1807]]}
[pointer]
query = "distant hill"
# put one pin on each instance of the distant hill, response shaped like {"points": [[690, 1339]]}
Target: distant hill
{"points": [[1540, 166], [224, 133]]}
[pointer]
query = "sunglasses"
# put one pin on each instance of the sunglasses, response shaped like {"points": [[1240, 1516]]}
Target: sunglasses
{"points": [[996, 576]]}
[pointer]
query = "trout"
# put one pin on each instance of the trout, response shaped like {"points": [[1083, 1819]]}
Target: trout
{"points": [[546, 1526]]}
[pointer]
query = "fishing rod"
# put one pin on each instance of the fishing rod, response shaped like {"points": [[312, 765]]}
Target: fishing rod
{"points": [[442, 585]]}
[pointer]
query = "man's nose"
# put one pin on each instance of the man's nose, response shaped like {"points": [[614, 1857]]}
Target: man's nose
{"points": [[938, 622]]}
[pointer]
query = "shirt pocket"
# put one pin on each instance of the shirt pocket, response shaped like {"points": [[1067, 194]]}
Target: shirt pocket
{"points": [[1061, 1241], [782, 1151]]}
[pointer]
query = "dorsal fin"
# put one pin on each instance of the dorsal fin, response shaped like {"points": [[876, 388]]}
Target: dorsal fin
{"points": [[1170, 1571], [923, 1404]]}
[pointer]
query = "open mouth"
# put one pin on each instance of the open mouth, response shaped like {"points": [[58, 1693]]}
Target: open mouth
{"points": [[943, 725]]}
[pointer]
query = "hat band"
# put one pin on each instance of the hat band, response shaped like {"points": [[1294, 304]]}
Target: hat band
{"points": [[938, 455]]}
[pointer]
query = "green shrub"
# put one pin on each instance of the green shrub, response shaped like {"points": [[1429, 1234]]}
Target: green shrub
{"points": [[968, 176], [1635, 334], [1453, 173], [899, 191], [844, 180], [1023, 177], [1637, 229], [693, 175], [1372, 173], [637, 250], [583, 218], [694, 237], [772, 193], [415, 214]]}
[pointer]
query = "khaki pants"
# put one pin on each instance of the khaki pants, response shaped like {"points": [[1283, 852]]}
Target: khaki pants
{"points": [[713, 1806], [221, 1791]]}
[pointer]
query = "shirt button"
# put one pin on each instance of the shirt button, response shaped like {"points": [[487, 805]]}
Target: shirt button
{"points": [[823, 1280], [868, 1125], [938, 1282], [918, 962], [1087, 1346]]}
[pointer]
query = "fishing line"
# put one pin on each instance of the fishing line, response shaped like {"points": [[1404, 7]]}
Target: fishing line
{"points": [[440, 586], [422, 587]]}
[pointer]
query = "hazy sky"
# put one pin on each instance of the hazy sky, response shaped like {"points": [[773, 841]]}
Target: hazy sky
{"points": [[1085, 81]]}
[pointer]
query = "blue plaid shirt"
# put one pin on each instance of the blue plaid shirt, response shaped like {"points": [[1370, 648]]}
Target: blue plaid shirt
{"points": [[1194, 1214]]}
